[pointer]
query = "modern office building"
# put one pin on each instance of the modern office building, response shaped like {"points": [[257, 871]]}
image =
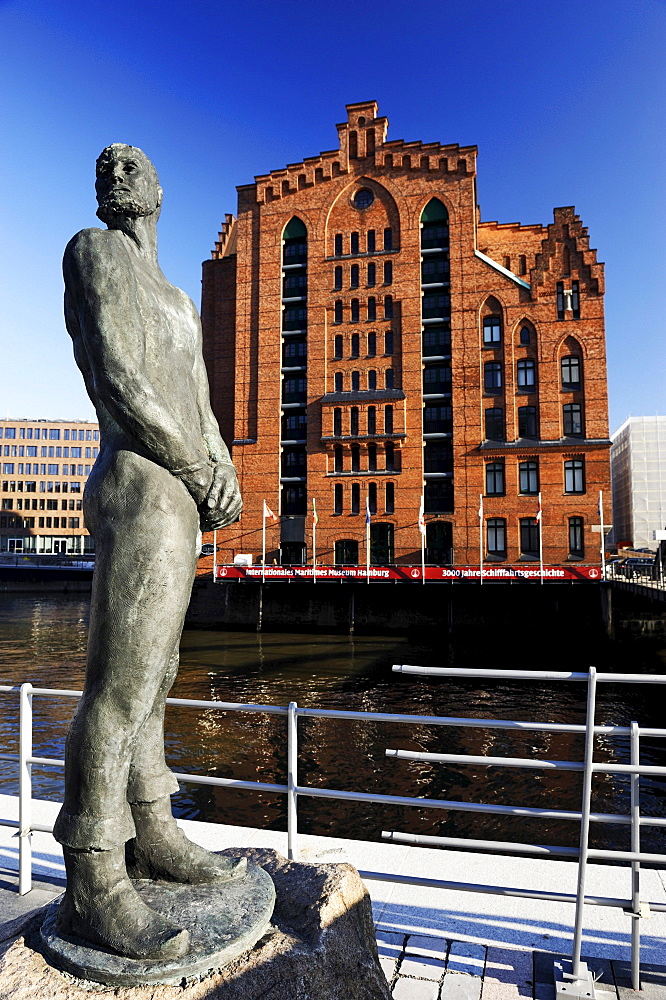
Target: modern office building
{"points": [[371, 341], [45, 465], [638, 469]]}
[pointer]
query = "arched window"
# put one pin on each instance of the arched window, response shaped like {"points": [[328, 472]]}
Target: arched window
{"points": [[389, 378], [389, 501], [492, 331], [337, 346], [353, 421], [388, 307], [353, 145], [372, 458], [338, 457], [338, 311], [337, 422], [372, 420], [492, 376], [338, 498], [572, 420], [355, 458], [372, 497], [522, 264], [294, 242], [372, 275], [388, 272], [353, 276], [354, 310], [372, 345], [354, 345], [355, 381], [353, 243], [388, 419], [388, 342], [388, 238], [389, 457], [338, 245], [355, 498], [525, 336], [370, 141], [346, 551], [339, 384], [571, 369], [496, 537], [338, 278], [372, 308], [371, 241], [434, 225], [526, 374], [372, 379], [576, 537]]}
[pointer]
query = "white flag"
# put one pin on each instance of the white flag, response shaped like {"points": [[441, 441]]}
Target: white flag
{"points": [[268, 512]]}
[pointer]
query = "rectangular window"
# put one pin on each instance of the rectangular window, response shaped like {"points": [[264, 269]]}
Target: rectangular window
{"points": [[527, 422], [338, 498], [353, 243], [576, 537], [575, 299], [66, 434], [371, 241], [10, 432], [495, 479], [526, 374], [8, 468], [574, 476], [571, 372], [31, 451], [389, 505], [338, 245], [495, 423], [355, 498], [572, 420], [492, 376], [492, 331], [53, 470], [388, 239], [388, 420], [560, 300], [54, 434], [74, 522], [496, 536], [337, 422], [528, 477], [529, 536]]}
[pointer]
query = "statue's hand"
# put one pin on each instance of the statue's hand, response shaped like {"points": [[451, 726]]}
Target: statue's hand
{"points": [[223, 504]]}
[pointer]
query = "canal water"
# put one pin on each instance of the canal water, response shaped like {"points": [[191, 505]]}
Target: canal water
{"points": [[43, 638]]}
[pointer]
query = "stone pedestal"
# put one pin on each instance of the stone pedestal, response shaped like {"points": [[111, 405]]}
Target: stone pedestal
{"points": [[321, 945]]}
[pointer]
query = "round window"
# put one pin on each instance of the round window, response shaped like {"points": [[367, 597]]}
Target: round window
{"points": [[363, 198]]}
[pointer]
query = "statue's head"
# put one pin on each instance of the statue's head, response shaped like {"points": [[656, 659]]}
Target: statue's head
{"points": [[126, 184]]}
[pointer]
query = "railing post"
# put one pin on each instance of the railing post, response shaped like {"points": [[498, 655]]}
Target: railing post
{"points": [[635, 865], [292, 782], [584, 822], [25, 789]]}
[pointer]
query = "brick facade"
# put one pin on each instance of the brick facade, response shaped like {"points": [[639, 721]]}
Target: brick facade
{"points": [[380, 243]]}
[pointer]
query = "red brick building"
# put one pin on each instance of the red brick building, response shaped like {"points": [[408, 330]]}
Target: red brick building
{"points": [[369, 340]]}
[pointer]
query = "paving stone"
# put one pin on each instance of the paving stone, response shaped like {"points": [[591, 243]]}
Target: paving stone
{"points": [[465, 956], [390, 948], [425, 957], [508, 975], [415, 989], [459, 986]]}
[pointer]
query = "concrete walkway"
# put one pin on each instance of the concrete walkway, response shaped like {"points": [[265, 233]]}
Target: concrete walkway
{"points": [[434, 944]]}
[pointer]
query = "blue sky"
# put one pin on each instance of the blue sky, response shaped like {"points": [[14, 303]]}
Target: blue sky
{"points": [[565, 101]]}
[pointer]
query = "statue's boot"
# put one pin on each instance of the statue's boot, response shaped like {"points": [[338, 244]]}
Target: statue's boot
{"points": [[102, 906], [160, 850]]}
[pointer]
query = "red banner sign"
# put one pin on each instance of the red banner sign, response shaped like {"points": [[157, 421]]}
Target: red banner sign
{"points": [[412, 574]]}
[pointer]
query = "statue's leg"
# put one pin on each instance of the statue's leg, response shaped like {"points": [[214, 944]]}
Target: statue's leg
{"points": [[145, 539], [160, 849]]}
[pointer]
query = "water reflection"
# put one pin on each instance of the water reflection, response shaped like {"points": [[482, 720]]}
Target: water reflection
{"points": [[42, 639]]}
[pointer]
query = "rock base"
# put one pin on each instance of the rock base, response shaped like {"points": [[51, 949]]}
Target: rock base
{"points": [[225, 920], [322, 945]]}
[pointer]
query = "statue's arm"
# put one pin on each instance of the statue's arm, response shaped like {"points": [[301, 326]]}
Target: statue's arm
{"points": [[100, 289]]}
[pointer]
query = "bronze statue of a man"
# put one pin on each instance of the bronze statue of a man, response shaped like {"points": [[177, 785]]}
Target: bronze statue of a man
{"points": [[162, 473]]}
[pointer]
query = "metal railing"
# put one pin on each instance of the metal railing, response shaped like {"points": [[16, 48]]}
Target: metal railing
{"points": [[578, 980]]}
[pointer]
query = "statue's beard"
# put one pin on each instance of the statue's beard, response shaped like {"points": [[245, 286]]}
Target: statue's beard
{"points": [[120, 204]]}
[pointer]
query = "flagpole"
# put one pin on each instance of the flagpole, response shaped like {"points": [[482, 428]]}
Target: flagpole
{"points": [[481, 539], [215, 554], [601, 528], [540, 539], [314, 551], [422, 529], [263, 546], [367, 540]]}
